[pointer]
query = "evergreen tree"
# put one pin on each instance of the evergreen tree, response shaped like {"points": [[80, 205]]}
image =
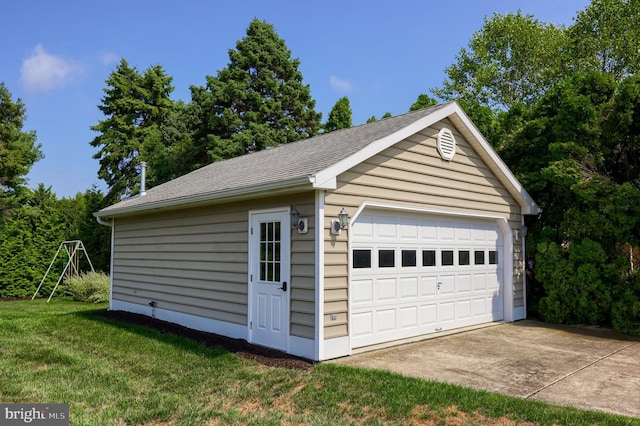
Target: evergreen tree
{"points": [[18, 150], [257, 101], [135, 105], [339, 116]]}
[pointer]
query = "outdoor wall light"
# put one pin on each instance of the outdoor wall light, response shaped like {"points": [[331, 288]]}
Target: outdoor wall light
{"points": [[520, 233], [338, 225], [302, 225], [343, 218], [295, 217]]}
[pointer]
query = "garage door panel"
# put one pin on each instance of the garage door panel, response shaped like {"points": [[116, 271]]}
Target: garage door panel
{"points": [[463, 309], [385, 320], [479, 306], [408, 288], [428, 314], [362, 291], [385, 289], [428, 286], [362, 324], [447, 285], [463, 284], [408, 317], [435, 273]]}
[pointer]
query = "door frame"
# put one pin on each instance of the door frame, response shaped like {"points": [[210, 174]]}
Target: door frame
{"points": [[255, 216]]}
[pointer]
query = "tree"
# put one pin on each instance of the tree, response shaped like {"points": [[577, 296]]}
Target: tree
{"points": [[569, 153], [257, 101], [512, 60], [423, 101], [605, 36], [339, 116], [18, 149], [135, 105]]}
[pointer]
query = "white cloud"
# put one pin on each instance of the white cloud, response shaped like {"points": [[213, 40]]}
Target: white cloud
{"points": [[340, 85], [109, 58], [42, 71]]}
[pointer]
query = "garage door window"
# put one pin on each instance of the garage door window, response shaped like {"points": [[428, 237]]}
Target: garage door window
{"points": [[447, 257], [386, 258], [408, 258], [463, 257], [362, 258], [428, 258], [478, 257], [493, 257]]}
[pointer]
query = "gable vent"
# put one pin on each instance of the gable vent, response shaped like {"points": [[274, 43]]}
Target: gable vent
{"points": [[446, 144]]}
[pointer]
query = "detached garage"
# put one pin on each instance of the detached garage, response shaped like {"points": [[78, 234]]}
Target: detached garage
{"points": [[395, 229]]}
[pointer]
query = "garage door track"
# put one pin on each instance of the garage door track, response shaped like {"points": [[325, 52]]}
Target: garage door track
{"points": [[585, 367]]}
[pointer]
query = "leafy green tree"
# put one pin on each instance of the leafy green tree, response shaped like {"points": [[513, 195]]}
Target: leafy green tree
{"points": [[605, 37], [512, 60], [135, 105], [423, 101], [258, 100], [568, 152], [339, 116], [18, 149]]}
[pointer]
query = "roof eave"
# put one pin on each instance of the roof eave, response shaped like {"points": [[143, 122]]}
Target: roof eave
{"points": [[237, 194]]}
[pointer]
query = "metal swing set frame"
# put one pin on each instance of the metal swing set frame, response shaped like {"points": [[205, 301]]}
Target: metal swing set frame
{"points": [[73, 249]]}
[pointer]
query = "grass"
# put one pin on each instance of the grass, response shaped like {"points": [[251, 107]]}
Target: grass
{"points": [[112, 373]]}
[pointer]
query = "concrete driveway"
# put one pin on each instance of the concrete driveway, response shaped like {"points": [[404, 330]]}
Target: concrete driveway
{"points": [[585, 367]]}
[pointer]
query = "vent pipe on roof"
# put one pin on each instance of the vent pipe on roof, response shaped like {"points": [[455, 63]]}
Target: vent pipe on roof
{"points": [[143, 178]]}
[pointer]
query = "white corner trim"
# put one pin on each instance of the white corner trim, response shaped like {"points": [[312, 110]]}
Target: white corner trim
{"points": [[519, 313], [319, 296], [336, 348]]}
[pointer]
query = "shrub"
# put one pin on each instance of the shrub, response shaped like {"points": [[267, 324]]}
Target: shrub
{"points": [[578, 283], [89, 287]]}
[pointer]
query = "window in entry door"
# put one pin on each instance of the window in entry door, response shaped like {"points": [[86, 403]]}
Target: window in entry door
{"points": [[270, 251]]}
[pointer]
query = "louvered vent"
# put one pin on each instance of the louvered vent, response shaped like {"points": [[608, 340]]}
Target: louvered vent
{"points": [[446, 144]]}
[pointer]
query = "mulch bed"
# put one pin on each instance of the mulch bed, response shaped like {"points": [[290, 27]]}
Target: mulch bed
{"points": [[266, 356]]}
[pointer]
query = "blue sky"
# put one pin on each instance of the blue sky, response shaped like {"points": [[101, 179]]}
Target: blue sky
{"points": [[56, 56]]}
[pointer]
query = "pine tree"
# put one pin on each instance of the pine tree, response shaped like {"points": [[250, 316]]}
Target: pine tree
{"points": [[339, 116], [257, 101], [18, 150], [135, 105]]}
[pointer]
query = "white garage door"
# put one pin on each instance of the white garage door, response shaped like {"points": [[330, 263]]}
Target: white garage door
{"points": [[413, 274]]}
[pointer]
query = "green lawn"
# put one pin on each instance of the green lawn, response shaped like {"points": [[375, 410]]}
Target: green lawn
{"points": [[112, 373]]}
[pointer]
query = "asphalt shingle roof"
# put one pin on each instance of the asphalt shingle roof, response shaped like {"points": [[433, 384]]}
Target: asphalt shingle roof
{"points": [[299, 159]]}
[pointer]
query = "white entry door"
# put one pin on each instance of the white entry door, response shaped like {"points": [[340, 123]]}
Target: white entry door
{"points": [[269, 279]]}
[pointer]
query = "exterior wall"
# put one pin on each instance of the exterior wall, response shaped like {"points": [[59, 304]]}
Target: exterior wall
{"points": [[397, 176], [195, 262]]}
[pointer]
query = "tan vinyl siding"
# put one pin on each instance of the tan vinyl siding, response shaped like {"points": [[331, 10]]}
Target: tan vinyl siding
{"points": [[411, 173], [188, 261], [195, 261]]}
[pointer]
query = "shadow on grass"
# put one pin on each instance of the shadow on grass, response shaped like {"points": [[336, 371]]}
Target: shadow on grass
{"points": [[152, 327]]}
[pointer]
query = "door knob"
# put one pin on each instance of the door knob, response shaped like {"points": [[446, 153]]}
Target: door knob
{"points": [[284, 286]]}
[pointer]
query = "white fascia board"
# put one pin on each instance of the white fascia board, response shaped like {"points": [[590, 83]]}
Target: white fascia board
{"points": [[329, 174], [527, 203], [280, 187]]}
